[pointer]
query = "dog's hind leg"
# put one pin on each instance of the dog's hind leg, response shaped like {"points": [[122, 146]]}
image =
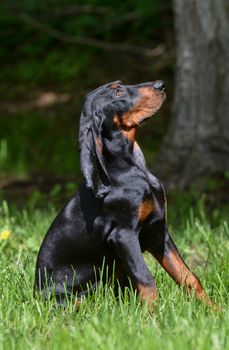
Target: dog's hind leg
{"points": [[170, 259]]}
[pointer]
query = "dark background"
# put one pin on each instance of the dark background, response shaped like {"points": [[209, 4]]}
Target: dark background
{"points": [[54, 52]]}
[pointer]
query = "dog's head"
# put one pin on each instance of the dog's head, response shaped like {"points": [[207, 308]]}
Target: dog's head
{"points": [[112, 106]]}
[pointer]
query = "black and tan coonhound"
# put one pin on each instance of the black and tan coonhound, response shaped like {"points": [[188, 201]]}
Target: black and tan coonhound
{"points": [[119, 210]]}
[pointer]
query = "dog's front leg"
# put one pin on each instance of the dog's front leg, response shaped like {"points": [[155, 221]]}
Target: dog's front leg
{"points": [[127, 247]]}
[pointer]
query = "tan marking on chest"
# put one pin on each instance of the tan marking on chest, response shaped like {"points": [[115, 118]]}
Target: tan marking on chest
{"points": [[145, 209]]}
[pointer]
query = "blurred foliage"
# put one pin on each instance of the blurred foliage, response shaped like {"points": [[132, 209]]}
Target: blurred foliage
{"points": [[36, 55], [36, 143], [38, 135], [52, 53]]}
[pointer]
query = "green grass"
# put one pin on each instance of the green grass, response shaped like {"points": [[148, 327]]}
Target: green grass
{"points": [[180, 322]]}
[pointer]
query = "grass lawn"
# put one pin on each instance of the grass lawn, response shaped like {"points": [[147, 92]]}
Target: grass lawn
{"points": [[180, 322]]}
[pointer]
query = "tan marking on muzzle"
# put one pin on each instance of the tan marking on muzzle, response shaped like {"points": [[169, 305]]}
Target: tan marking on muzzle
{"points": [[149, 103]]}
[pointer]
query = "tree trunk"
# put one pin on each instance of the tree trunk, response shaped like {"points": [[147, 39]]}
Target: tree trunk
{"points": [[197, 143]]}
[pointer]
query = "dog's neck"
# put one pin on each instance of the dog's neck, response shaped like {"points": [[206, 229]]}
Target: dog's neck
{"points": [[122, 150], [130, 134]]}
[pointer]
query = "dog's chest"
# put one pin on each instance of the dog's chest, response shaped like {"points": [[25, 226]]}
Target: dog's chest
{"points": [[135, 197]]}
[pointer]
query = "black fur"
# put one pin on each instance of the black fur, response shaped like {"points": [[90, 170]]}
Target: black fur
{"points": [[118, 211]]}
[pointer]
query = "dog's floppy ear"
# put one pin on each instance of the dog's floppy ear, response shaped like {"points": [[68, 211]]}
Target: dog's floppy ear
{"points": [[91, 150]]}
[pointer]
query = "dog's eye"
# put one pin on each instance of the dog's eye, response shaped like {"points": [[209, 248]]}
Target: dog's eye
{"points": [[119, 92]]}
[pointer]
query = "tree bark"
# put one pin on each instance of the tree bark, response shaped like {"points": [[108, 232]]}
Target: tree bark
{"points": [[197, 144]]}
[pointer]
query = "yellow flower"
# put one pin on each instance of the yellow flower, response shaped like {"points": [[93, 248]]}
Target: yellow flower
{"points": [[5, 234]]}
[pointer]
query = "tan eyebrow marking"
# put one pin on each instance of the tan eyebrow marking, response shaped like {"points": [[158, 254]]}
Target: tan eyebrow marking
{"points": [[114, 86]]}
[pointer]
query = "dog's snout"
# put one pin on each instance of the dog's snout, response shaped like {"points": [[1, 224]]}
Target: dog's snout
{"points": [[159, 85]]}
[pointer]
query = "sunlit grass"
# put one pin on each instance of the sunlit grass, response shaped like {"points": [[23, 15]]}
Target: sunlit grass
{"points": [[104, 322]]}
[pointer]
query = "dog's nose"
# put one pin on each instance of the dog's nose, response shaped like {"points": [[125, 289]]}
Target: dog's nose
{"points": [[159, 85]]}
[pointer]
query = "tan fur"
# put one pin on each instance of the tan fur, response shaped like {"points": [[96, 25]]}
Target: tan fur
{"points": [[114, 86], [99, 146], [149, 103], [145, 209], [130, 134], [148, 294]]}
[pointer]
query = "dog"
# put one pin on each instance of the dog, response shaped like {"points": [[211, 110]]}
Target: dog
{"points": [[119, 210]]}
